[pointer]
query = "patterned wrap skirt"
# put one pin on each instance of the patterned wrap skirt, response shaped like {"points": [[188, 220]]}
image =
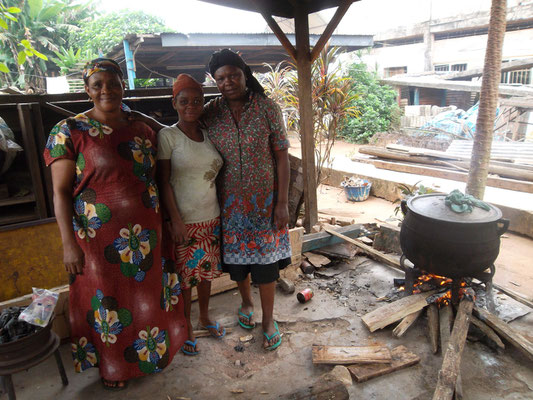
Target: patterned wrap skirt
{"points": [[200, 259]]}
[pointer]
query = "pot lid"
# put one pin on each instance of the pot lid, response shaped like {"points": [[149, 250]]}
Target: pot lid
{"points": [[432, 206]]}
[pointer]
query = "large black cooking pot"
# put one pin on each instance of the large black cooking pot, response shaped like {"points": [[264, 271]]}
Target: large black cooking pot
{"points": [[439, 241]]}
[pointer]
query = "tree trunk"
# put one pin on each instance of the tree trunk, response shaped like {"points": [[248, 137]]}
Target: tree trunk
{"points": [[488, 101]]}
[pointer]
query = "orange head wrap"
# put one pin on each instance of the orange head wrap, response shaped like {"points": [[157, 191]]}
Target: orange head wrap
{"points": [[185, 81]]}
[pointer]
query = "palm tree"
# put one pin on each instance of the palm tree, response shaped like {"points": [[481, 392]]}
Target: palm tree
{"points": [[488, 101]]}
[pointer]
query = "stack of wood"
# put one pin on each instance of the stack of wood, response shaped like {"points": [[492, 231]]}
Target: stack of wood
{"points": [[365, 362], [506, 171], [440, 321]]}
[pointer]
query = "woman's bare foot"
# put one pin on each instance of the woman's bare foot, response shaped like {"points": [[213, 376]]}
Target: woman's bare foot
{"points": [[114, 385]]}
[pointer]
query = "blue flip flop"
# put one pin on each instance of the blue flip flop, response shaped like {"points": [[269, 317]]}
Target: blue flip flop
{"points": [[193, 344], [216, 327], [249, 317], [269, 338]]}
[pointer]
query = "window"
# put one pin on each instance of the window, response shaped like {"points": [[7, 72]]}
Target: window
{"points": [[391, 71], [442, 67], [458, 67], [521, 76]]}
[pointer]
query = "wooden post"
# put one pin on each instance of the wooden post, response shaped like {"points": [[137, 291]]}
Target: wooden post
{"points": [[452, 358], [303, 59]]}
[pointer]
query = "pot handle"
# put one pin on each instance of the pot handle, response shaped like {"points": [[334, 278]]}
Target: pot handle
{"points": [[503, 228], [403, 205]]}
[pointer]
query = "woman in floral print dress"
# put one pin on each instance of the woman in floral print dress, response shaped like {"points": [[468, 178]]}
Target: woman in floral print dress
{"points": [[126, 316], [247, 129]]}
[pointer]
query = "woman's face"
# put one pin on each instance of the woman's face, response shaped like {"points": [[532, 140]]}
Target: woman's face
{"points": [[231, 82], [189, 103], [106, 89]]}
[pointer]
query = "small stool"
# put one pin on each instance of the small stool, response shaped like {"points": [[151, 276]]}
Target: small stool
{"points": [[51, 347]]}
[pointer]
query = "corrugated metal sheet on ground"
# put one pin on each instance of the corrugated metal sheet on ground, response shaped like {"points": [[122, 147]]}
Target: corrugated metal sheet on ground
{"points": [[518, 152]]}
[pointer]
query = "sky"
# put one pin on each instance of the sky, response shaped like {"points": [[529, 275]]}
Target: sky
{"points": [[364, 17]]}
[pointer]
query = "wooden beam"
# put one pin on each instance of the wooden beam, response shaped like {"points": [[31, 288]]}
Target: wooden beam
{"points": [[401, 358], [385, 258], [59, 110], [27, 120], [502, 183], [303, 62], [313, 241], [339, 14], [445, 325], [452, 358], [392, 312], [512, 294], [287, 45], [351, 354], [506, 331], [487, 330]]}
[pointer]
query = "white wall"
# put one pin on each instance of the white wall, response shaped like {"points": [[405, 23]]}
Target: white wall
{"points": [[469, 50]]}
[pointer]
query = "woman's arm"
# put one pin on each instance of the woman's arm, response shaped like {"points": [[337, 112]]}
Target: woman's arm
{"points": [[151, 122], [63, 172], [178, 229], [281, 212]]}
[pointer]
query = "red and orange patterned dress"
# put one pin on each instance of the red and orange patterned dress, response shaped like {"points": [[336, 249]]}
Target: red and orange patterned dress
{"points": [[248, 180], [126, 313]]}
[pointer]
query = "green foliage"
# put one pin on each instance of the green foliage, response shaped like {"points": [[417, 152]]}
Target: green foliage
{"points": [[70, 61], [375, 102], [39, 28], [149, 82], [332, 101], [104, 33], [409, 191]]}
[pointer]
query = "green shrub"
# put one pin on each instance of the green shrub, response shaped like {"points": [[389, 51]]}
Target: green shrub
{"points": [[376, 104]]}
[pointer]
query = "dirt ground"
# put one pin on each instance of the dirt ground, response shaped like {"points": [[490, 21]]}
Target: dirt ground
{"points": [[342, 294]]}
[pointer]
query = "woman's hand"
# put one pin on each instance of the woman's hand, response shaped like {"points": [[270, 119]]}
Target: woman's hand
{"points": [[281, 215], [73, 258], [178, 232]]}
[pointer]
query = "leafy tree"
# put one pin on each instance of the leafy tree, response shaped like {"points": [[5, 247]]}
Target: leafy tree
{"points": [[104, 33], [70, 61], [376, 104], [38, 29], [332, 101]]}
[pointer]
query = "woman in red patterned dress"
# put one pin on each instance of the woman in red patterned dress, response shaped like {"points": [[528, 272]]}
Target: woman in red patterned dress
{"points": [[247, 129], [126, 316], [188, 165]]}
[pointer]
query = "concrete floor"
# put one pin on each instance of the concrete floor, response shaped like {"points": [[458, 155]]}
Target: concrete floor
{"points": [[332, 317]]}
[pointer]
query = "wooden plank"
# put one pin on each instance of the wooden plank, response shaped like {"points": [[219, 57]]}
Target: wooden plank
{"points": [[506, 331], [296, 236], [219, 285], [392, 312], [433, 325], [452, 358], [510, 172], [514, 295], [385, 258], [401, 358], [405, 323], [287, 45], [487, 330], [502, 183], [317, 260], [313, 241], [351, 354]]}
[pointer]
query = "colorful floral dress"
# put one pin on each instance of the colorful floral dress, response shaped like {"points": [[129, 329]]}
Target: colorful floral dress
{"points": [[248, 180], [126, 313]]}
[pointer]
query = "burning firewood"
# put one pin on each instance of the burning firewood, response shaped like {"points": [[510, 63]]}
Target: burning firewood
{"points": [[452, 358]]}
